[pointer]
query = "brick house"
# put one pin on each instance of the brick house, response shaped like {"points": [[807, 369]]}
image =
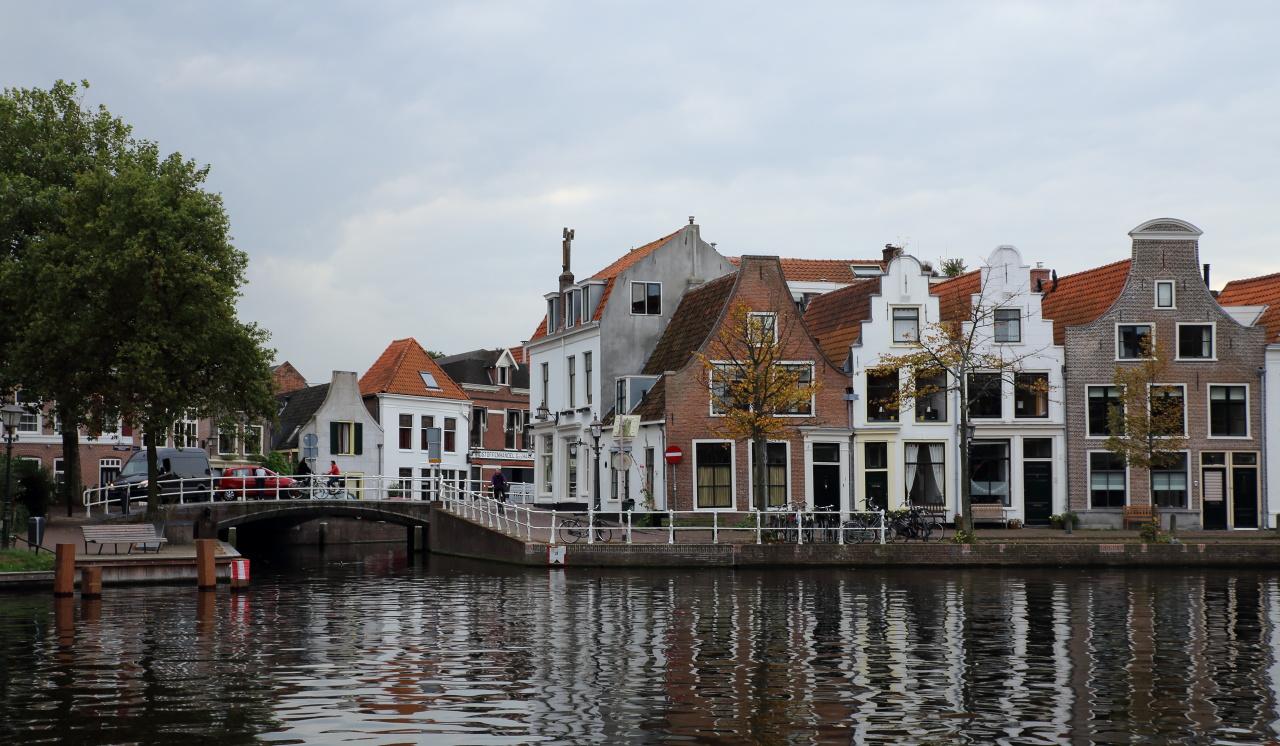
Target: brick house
{"points": [[497, 382], [809, 465], [1213, 375]]}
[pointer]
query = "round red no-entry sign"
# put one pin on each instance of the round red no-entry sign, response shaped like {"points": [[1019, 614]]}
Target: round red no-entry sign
{"points": [[673, 454]]}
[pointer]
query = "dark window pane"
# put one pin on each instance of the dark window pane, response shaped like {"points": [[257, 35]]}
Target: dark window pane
{"points": [[882, 397], [1101, 400], [654, 298], [984, 395], [1008, 323], [931, 398], [1031, 395], [714, 475], [637, 297], [877, 455], [826, 453], [1106, 480], [1130, 338], [1037, 448]]}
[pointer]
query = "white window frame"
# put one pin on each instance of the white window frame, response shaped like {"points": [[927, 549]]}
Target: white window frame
{"points": [[1087, 429], [751, 490], [262, 435], [546, 465], [1151, 483], [38, 414], [571, 307], [235, 441], [192, 439], [995, 325], [587, 362], [109, 463], [893, 325], [546, 384], [571, 380], [59, 467], [400, 428], [1115, 339], [504, 375], [1151, 395], [772, 324], [1088, 479], [631, 298], [813, 392], [733, 475], [1208, 413], [444, 431], [1173, 295], [1213, 342]]}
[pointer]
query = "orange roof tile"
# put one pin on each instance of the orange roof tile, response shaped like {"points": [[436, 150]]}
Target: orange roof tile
{"points": [[820, 270], [955, 295], [1257, 291], [835, 319], [1083, 296], [399, 369]]}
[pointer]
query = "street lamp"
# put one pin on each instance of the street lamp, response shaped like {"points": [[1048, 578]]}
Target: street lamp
{"points": [[11, 414], [596, 428], [543, 412]]}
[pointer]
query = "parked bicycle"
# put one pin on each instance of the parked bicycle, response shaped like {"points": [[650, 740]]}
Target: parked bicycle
{"points": [[914, 522], [321, 487], [574, 530], [862, 527]]}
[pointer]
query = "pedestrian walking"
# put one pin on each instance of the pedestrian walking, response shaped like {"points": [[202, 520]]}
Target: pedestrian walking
{"points": [[499, 485]]}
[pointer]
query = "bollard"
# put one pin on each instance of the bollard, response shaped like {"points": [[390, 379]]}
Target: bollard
{"points": [[1068, 523], [206, 575], [419, 540], [91, 582], [321, 530], [1173, 523], [64, 570], [231, 536], [239, 575]]}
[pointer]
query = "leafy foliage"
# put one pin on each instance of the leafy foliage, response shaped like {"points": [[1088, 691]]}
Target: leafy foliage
{"points": [[1147, 427], [953, 267]]}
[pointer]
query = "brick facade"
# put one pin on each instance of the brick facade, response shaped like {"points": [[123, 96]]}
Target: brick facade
{"points": [[1163, 250]]}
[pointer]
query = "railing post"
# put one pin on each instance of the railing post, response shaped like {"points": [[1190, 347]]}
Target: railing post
{"points": [[671, 527], [715, 527], [180, 492], [628, 526], [591, 525], [553, 526], [799, 527], [277, 488], [840, 528], [757, 512], [882, 526]]}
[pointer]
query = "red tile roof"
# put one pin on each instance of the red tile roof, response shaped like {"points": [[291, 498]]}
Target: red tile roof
{"points": [[835, 319], [399, 369], [1257, 291], [693, 321], [820, 270], [1083, 296], [955, 295]]}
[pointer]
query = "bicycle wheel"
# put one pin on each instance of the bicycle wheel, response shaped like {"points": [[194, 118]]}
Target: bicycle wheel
{"points": [[604, 534], [571, 531]]}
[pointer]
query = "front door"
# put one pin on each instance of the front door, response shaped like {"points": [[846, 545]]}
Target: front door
{"points": [[1244, 497], [1037, 491], [826, 487], [1214, 516]]}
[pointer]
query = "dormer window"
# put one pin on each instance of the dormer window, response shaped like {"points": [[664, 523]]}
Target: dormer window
{"points": [[504, 375], [571, 305], [429, 380], [553, 315], [1165, 294]]}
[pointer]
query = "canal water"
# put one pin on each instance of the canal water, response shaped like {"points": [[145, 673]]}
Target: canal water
{"points": [[367, 646]]}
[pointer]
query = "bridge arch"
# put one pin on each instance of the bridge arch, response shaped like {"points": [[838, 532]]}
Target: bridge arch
{"points": [[226, 515]]}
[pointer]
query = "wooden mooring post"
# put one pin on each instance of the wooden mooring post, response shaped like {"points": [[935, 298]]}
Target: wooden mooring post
{"points": [[91, 581], [64, 570], [206, 574]]}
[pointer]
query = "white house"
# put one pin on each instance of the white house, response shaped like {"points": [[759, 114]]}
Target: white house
{"points": [[327, 423], [411, 396]]}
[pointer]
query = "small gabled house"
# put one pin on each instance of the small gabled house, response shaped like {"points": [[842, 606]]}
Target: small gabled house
{"points": [[1213, 375], [409, 394], [808, 466], [332, 419], [497, 382]]}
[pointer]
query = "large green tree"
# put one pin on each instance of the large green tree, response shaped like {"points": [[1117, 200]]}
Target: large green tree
{"points": [[53, 342]]}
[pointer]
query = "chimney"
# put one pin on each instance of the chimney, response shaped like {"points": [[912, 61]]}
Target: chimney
{"points": [[1206, 275], [890, 251], [1040, 277], [566, 277]]}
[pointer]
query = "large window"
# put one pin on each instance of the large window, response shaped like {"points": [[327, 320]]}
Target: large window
{"points": [[775, 473], [184, 434], [450, 435], [546, 384], [1228, 411], [345, 438], [406, 432], [925, 473], [931, 397], [548, 462], [31, 407], [1168, 410], [882, 396], [1008, 325], [1101, 400], [1031, 395], [571, 467], [428, 422], [586, 375], [906, 324], [646, 298], [804, 379], [479, 423], [1106, 480], [572, 364], [513, 429], [989, 472], [227, 439], [1130, 339], [1169, 483], [876, 475], [253, 440], [1195, 341], [713, 467], [984, 395]]}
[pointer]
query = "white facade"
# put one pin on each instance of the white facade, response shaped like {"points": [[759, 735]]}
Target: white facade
{"points": [[1271, 438], [404, 420], [563, 439]]}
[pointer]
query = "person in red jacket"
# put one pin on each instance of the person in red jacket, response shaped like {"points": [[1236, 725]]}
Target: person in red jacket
{"points": [[334, 472]]}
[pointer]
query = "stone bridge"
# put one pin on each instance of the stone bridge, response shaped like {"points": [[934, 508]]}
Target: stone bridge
{"points": [[209, 519]]}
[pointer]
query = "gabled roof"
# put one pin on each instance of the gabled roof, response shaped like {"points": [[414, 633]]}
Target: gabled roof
{"points": [[955, 295], [1257, 291], [286, 378], [1082, 297], [835, 319], [695, 318], [474, 367], [399, 371], [654, 404], [296, 408], [610, 274], [820, 270]]}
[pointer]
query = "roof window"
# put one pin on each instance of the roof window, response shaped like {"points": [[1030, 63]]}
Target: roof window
{"points": [[429, 380]]}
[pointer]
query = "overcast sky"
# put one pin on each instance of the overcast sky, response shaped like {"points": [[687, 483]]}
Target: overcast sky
{"points": [[404, 169]]}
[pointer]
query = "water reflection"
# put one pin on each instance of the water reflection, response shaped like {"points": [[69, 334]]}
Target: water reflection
{"points": [[371, 647]]}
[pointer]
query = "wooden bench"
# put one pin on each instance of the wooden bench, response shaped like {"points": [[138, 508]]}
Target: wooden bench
{"points": [[130, 534], [1139, 515], [989, 513]]}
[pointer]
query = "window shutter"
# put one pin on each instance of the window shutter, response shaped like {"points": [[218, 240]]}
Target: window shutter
{"points": [[359, 444], [333, 437]]}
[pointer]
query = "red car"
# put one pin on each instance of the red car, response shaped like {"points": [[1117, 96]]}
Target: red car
{"points": [[254, 482]]}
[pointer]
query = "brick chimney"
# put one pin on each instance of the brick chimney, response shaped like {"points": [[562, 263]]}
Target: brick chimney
{"points": [[890, 251], [566, 277]]}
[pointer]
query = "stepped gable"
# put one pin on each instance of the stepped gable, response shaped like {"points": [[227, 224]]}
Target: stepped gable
{"points": [[1257, 291], [1082, 297], [835, 319], [399, 369]]}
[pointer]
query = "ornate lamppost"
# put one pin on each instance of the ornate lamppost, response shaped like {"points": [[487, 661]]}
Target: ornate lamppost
{"points": [[596, 429], [11, 414]]}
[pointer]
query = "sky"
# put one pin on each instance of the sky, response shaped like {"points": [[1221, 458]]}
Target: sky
{"points": [[405, 169]]}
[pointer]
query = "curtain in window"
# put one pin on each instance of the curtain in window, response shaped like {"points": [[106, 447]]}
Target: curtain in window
{"points": [[913, 456], [935, 460]]}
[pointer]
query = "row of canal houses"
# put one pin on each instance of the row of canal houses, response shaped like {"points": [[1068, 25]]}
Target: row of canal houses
{"points": [[623, 348]]}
